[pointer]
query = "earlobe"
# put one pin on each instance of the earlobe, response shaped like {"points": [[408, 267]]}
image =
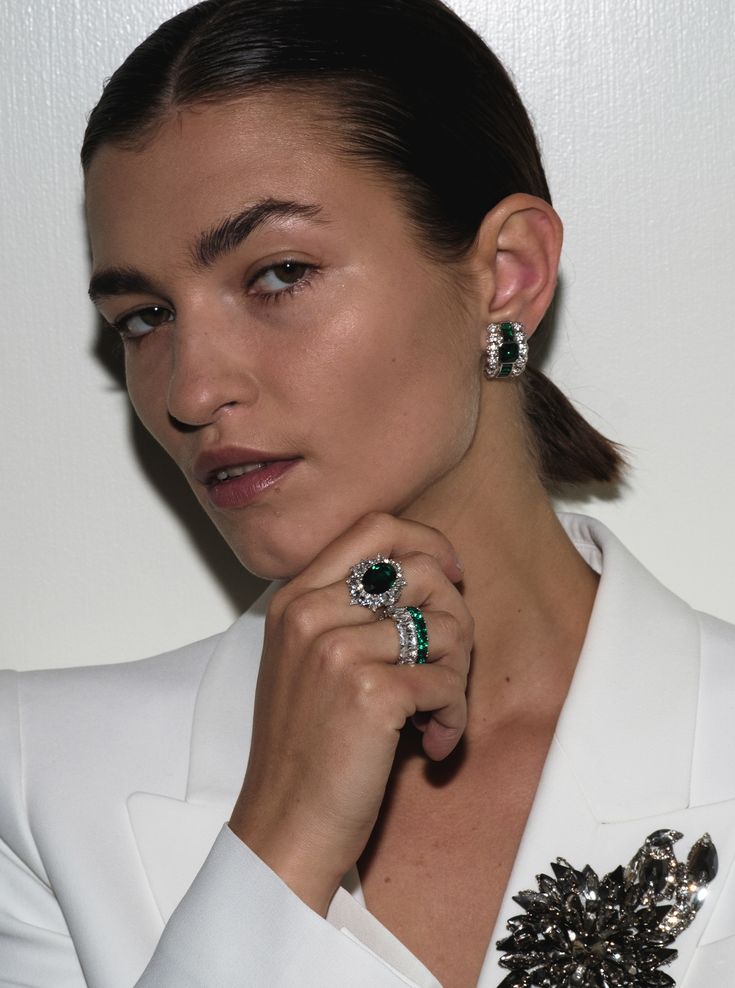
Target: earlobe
{"points": [[518, 248]]}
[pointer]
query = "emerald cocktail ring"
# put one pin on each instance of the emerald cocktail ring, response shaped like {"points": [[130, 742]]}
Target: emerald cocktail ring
{"points": [[376, 583]]}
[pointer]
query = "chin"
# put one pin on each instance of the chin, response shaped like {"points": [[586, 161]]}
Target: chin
{"points": [[271, 558], [279, 545]]}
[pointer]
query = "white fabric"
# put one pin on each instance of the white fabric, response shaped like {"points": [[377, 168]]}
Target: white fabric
{"points": [[115, 783]]}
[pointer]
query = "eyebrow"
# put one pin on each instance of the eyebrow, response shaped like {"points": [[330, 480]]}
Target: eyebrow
{"points": [[209, 246], [119, 281]]}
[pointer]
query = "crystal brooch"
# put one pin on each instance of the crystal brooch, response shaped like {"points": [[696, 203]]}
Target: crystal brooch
{"points": [[582, 931]]}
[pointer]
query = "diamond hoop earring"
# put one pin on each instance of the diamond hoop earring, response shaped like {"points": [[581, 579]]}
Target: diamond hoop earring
{"points": [[506, 353]]}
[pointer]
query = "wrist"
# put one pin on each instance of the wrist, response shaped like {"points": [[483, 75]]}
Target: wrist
{"points": [[302, 864]]}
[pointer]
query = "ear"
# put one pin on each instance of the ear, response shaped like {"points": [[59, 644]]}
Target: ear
{"points": [[517, 252]]}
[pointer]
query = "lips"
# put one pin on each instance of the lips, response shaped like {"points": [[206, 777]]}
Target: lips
{"points": [[235, 476], [226, 462]]}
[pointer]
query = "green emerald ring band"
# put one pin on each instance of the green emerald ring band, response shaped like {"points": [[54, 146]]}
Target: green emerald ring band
{"points": [[376, 583], [412, 635]]}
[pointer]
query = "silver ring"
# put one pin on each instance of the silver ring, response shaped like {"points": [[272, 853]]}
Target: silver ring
{"points": [[412, 635], [376, 583]]}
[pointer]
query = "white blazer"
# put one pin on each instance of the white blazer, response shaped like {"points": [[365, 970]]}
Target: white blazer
{"points": [[116, 782]]}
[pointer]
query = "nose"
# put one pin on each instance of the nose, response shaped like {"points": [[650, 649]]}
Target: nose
{"points": [[209, 374]]}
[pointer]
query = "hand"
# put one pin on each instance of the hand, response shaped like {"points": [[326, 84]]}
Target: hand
{"points": [[331, 702]]}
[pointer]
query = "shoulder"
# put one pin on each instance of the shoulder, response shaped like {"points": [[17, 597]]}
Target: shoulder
{"points": [[62, 703], [84, 686], [71, 727], [633, 591]]}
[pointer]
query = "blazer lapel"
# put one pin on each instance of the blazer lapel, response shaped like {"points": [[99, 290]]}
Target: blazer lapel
{"points": [[619, 766], [174, 836]]}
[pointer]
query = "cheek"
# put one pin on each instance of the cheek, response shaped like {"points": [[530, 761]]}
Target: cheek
{"points": [[439, 422], [440, 386], [402, 405]]}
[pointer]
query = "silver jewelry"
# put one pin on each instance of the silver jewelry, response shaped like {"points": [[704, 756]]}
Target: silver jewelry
{"points": [[412, 635], [506, 353], [376, 583], [587, 931]]}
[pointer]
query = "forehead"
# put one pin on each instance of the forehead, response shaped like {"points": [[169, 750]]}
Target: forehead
{"points": [[210, 160]]}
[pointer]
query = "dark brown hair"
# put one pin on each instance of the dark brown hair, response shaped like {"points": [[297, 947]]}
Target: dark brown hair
{"points": [[420, 96]]}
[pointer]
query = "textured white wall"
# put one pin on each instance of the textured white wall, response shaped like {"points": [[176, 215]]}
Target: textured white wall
{"points": [[634, 103]]}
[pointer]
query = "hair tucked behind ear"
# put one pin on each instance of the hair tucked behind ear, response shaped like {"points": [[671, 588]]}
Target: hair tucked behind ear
{"points": [[413, 91]]}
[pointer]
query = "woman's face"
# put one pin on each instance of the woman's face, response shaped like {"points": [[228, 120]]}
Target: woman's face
{"points": [[286, 339]]}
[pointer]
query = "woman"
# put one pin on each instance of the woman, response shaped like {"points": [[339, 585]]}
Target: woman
{"points": [[330, 339]]}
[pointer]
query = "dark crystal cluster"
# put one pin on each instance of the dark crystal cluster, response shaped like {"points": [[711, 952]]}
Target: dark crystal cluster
{"points": [[582, 931]]}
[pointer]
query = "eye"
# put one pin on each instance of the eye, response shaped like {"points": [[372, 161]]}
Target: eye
{"points": [[281, 278], [142, 321]]}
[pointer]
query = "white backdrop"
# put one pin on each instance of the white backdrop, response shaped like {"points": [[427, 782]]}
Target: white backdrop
{"points": [[635, 104]]}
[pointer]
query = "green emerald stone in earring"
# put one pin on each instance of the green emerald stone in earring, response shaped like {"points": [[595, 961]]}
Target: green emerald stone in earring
{"points": [[379, 578], [508, 352], [506, 331], [506, 370]]}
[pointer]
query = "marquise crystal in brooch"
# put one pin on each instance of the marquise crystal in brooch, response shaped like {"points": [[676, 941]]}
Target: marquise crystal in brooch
{"points": [[581, 931]]}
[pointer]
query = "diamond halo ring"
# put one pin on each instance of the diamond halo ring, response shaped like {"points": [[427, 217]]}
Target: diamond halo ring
{"points": [[376, 583]]}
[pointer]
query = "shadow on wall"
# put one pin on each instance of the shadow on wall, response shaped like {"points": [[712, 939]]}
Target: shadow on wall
{"points": [[240, 587]]}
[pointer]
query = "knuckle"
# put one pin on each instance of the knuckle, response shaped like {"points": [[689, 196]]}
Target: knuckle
{"points": [[365, 685], [299, 615], [333, 649], [374, 522], [447, 626]]}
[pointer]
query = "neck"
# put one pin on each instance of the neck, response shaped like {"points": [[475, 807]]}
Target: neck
{"points": [[529, 591]]}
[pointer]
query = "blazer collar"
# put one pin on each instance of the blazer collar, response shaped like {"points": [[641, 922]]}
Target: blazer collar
{"points": [[628, 723], [223, 715], [174, 836]]}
